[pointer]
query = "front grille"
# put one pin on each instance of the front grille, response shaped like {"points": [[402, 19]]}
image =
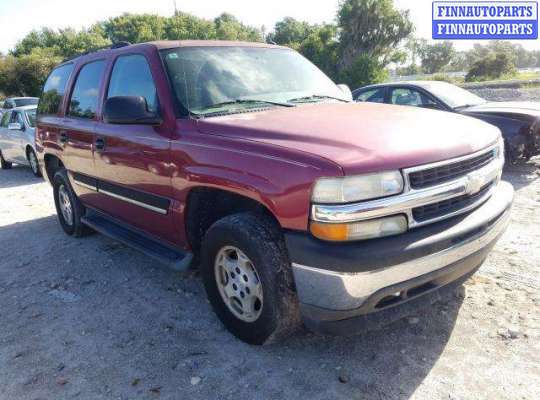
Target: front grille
{"points": [[444, 173], [445, 207]]}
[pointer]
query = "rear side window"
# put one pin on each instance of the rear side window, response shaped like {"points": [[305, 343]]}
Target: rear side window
{"points": [[84, 99], [131, 76], [54, 89]]}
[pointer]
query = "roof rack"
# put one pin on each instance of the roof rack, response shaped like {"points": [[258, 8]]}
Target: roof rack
{"points": [[116, 45]]}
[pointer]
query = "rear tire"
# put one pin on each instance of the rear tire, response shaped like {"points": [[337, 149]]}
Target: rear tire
{"points": [[34, 164], [3, 163], [260, 248], [68, 207]]}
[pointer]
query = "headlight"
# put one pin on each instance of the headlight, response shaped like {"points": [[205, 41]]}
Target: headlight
{"points": [[373, 228], [357, 188]]}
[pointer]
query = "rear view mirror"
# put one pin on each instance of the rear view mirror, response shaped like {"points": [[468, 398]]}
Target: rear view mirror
{"points": [[15, 126], [346, 91], [129, 110]]}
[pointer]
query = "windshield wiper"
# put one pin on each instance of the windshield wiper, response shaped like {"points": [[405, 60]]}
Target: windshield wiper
{"points": [[316, 97], [250, 101]]}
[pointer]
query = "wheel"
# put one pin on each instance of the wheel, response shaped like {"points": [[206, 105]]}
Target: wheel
{"points": [[34, 164], [248, 278], [3, 163], [68, 207]]}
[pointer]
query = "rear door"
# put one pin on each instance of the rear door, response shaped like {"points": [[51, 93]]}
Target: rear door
{"points": [[16, 139], [77, 132], [132, 161]]}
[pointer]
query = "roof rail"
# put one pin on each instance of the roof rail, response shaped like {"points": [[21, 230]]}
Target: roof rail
{"points": [[116, 45]]}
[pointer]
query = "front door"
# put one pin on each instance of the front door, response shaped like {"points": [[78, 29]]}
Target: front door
{"points": [[132, 161], [5, 136], [17, 140]]}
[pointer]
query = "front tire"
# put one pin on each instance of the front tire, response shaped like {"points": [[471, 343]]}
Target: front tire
{"points": [[248, 278], [3, 163], [34, 164], [68, 207]]}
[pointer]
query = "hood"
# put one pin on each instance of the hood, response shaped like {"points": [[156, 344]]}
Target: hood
{"points": [[506, 107], [360, 137]]}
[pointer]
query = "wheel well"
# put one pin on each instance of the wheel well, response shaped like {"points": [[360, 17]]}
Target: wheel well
{"points": [[52, 165], [207, 205]]}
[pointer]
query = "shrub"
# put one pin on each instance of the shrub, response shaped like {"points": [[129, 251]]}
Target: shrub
{"points": [[491, 66]]}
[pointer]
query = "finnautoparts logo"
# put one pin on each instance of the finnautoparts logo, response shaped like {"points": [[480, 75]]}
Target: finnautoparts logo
{"points": [[485, 20]]}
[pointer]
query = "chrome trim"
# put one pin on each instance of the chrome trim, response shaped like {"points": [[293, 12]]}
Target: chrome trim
{"points": [[85, 185], [347, 291], [137, 203], [412, 198]]}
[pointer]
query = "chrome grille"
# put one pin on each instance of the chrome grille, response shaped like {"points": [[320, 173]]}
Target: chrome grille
{"points": [[447, 172], [445, 207]]}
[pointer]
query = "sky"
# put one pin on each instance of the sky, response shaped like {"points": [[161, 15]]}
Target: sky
{"points": [[18, 17]]}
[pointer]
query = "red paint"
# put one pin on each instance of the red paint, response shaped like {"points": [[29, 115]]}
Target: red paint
{"points": [[272, 156]]}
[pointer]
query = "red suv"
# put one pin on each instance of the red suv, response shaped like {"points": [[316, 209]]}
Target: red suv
{"points": [[247, 160]]}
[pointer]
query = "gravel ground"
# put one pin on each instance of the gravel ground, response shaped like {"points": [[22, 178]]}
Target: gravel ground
{"points": [[91, 319], [522, 94]]}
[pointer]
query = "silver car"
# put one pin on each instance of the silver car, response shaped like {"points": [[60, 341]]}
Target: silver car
{"points": [[17, 138]]}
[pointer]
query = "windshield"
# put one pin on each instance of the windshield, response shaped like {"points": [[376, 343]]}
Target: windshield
{"points": [[453, 95], [31, 114], [26, 102], [210, 80]]}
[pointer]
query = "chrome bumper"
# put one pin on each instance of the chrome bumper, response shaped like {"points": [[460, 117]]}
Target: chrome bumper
{"points": [[339, 291]]}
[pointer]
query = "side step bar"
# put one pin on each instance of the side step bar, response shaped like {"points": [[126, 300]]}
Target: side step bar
{"points": [[175, 259]]}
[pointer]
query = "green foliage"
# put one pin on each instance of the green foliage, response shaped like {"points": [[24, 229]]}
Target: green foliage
{"points": [[291, 32], [371, 28], [363, 71], [494, 65], [183, 26], [434, 57], [230, 28], [322, 48], [135, 28]]}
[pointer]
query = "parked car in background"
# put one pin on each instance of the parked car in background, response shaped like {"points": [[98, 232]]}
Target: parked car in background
{"points": [[13, 102], [519, 122], [297, 201], [17, 138]]}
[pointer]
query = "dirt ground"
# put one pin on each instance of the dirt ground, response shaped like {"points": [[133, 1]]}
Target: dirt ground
{"points": [[91, 319]]}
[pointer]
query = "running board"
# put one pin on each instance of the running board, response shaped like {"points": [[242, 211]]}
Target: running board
{"points": [[175, 259]]}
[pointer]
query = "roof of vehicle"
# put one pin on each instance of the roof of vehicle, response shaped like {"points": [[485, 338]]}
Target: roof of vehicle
{"points": [[20, 98], [422, 84]]}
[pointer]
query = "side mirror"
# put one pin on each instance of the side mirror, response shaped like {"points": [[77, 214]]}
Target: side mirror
{"points": [[346, 91], [129, 110], [15, 126]]}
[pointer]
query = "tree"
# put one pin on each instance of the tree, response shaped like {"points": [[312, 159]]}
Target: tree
{"points": [[230, 28], [322, 48], [371, 28], [184, 26], [135, 28], [434, 57], [493, 66], [291, 32]]}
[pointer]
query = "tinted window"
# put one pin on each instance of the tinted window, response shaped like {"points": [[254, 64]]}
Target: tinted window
{"points": [[5, 120], [372, 96], [53, 91], [84, 99], [410, 97], [131, 76], [26, 102]]}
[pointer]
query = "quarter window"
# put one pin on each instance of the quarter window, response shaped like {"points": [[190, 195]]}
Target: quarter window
{"points": [[131, 76], [53, 91], [84, 100], [410, 97]]}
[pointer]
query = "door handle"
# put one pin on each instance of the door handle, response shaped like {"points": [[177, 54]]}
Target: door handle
{"points": [[63, 137], [100, 144]]}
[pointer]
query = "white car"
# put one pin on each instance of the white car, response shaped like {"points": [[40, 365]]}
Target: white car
{"points": [[17, 138]]}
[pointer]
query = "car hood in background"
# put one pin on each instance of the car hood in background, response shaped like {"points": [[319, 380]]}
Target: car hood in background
{"points": [[360, 137], [506, 107]]}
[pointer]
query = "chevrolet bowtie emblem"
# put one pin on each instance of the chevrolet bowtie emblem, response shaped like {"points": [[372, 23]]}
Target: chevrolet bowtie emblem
{"points": [[474, 183]]}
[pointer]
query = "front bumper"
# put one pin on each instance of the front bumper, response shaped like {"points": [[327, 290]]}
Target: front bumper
{"points": [[340, 284]]}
